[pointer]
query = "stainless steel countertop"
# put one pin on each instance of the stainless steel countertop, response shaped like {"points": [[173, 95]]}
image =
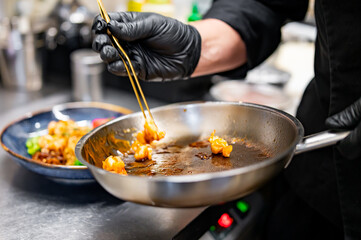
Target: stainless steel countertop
{"points": [[34, 207]]}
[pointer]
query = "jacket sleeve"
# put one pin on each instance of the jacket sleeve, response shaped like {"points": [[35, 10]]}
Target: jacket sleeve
{"points": [[258, 22]]}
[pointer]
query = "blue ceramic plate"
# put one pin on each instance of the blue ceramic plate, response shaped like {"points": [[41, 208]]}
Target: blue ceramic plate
{"points": [[14, 136]]}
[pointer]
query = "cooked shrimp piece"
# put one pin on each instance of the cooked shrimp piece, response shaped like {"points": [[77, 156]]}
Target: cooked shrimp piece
{"points": [[226, 152], [114, 164], [136, 144], [51, 127], [54, 143], [151, 131], [141, 146], [143, 152], [141, 138], [59, 128], [219, 145]]}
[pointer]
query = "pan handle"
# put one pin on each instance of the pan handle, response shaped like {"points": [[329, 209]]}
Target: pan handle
{"points": [[320, 140]]}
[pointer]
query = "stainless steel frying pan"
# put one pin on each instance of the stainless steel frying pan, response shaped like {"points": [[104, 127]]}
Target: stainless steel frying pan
{"points": [[184, 173]]}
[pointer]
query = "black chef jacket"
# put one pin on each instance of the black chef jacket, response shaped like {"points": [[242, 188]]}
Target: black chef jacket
{"points": [[326, 181]]}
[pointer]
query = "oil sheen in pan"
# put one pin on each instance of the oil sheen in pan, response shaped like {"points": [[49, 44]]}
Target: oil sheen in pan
{"points": [[195, 158]]}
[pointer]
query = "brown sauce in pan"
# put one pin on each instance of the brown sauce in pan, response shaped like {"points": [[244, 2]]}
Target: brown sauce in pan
{"points": [[184, 157], [195, 158]]}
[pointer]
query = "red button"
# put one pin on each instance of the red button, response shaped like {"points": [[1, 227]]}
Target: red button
{"points": [[225, 220]]}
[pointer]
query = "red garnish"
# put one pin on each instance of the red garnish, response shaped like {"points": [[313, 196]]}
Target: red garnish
{"points": [[99, 121]]}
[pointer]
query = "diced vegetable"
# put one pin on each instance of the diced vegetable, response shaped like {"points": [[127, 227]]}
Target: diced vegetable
{"points": [[78, 163], [32, 145]]}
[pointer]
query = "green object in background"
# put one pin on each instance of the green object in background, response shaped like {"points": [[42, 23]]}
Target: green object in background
{"points": [[32, 144], [78, 163], [195, 15], [242, 206]]}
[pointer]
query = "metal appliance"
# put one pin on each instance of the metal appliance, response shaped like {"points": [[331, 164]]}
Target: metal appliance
{"points": [[22, 24], [21, 54], [70, 31], [239, 219]]}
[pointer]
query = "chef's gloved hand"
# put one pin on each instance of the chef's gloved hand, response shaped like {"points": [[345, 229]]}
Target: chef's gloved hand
{"points": [[350, 118], [160, 48]]}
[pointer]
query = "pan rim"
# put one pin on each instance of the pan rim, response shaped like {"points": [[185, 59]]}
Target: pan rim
{"points": [[201, 176]]}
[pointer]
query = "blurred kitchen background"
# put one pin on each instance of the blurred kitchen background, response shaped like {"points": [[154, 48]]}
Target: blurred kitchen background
{"points": [[45, 58]]}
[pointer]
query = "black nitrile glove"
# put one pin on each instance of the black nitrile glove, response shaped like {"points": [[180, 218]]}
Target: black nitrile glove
{"points": [[350, 118], [160, 48]]}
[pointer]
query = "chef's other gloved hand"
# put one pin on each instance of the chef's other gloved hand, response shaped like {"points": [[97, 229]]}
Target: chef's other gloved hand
{"points": [[160, 48], [350, 118]]}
